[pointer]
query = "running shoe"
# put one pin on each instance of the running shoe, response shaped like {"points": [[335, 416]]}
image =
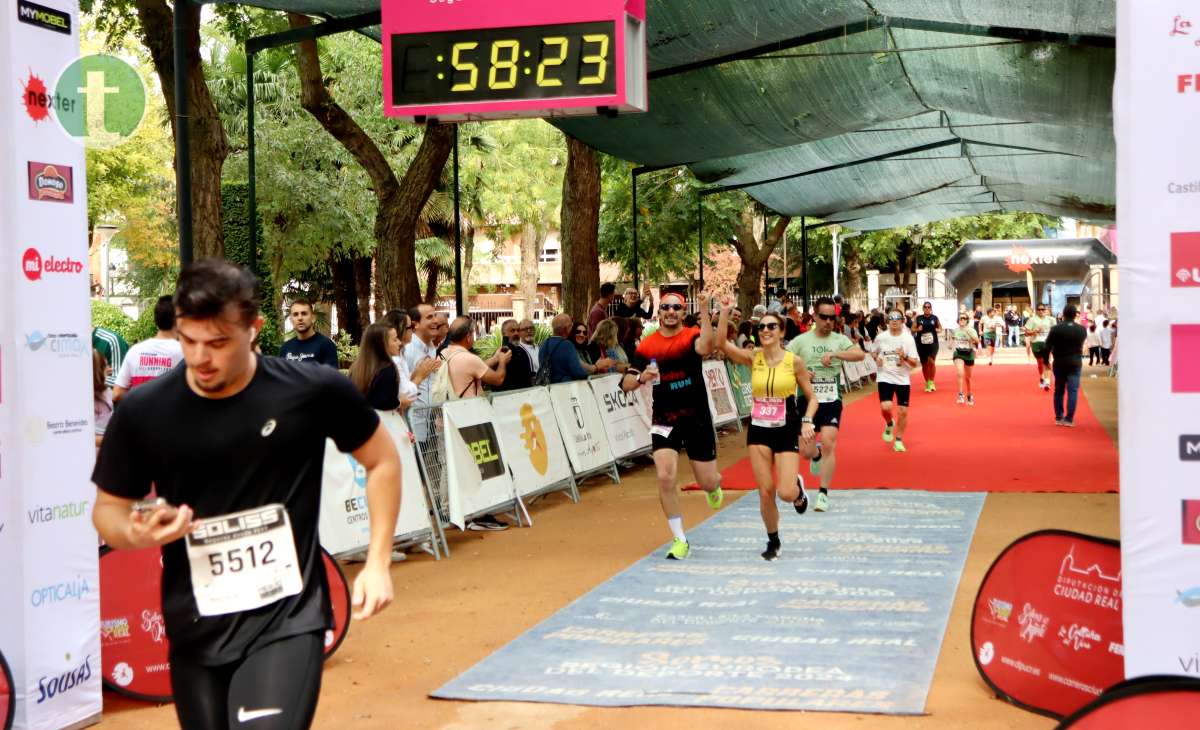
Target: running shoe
{"points": [[715, 497], [961, 399], [801, 503], [928, 386], [1068, 424], [771, 552], [932, 387], [679, 550], [887, 432], [822, 502], [1058, 422], [970, 400], [899, 446]]}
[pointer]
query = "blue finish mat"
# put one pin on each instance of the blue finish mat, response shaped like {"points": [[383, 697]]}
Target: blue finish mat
{"points": [[850, 618]]}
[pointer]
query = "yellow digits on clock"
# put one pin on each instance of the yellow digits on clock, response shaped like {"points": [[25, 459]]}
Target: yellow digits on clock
{"points": [[468, 68], [561, 42], [514, 50], [600, 59]]}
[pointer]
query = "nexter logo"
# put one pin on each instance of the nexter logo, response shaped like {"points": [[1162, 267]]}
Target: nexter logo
{"points": [[1189, 447]]}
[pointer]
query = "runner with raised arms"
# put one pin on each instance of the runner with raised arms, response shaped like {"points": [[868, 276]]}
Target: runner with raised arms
{"points": [[234, 444], [673, 358], [823, 351], [775, 424]]}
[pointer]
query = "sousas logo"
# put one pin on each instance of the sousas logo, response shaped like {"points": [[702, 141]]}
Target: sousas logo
{"points": [[49, 686]]}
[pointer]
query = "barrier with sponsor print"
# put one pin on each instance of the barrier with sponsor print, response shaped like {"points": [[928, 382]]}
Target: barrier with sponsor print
{"points": [[582, 429], [721, 400], [476, 470], [625, 421], [49, 592], [531, 443], [1046, 628], [344, 524]]}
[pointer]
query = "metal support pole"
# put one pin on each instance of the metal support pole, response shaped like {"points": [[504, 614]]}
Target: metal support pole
{"points": [[252, 203], [700, 239], [633, 176], [458, 283], [183, 150], [785, 262], [837, 260], [804, 257]]}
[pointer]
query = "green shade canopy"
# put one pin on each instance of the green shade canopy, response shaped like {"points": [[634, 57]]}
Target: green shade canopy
{"points": [[872, 113]]}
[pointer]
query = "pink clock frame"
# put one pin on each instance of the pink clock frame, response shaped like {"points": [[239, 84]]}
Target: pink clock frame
{"points": [[426, 16]]}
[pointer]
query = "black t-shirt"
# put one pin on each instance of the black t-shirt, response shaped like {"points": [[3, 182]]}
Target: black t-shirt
{"points": [[518, 373], [384, 392], [263, 445], [928, 323], [624, 310], [1065, 344], [680, 394], [318, 349]]}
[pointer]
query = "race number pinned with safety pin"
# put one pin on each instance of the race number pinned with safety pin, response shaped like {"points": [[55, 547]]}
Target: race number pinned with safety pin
{"points": [[243, 561], [825, 390], [768, 412], [926, 338]]}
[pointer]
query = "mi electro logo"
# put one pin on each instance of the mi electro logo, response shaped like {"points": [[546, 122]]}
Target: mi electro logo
{"points": [[33, 266], [44, 17], [1185, 260], [1189, 447]]}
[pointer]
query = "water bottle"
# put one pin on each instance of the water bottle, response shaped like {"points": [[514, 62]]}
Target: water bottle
{"points": [[654, 364]]}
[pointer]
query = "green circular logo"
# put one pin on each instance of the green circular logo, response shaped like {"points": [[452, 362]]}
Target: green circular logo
{"points": [[102, 100]]}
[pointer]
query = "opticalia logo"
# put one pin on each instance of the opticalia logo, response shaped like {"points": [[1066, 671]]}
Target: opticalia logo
{"points": [[1019, 260], [49, 687], [50, 182], [1191, 522], [72, 590], [43, 17], [1185, 354], [1189, 447], [33, 266], [64, 345], [1185, 259]]}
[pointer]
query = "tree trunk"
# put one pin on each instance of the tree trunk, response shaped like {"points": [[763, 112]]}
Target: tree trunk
{"points": [[468, 260], [853, 265], [399, 204], [431, 284], [532, 239], [749, 287], [345, 296], [580, 228], [753, 254], [362, 289], [208, 144]]}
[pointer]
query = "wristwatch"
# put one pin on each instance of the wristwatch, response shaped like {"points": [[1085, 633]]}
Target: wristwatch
{"points": [[805, 419]]}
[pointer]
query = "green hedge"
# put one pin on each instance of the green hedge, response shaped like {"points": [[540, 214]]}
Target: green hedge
{"points": [[110, 317], [235, 202]]}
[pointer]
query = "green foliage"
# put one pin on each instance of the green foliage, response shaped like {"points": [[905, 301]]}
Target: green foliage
{"points": [[347, 349], [110, 316], [143, 328], [234, 216]]}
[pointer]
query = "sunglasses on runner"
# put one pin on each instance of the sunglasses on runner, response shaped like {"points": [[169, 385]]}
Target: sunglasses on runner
{"points": [[964, 319], [895, 318], [669, 307], [826, 317], [766, 326]]}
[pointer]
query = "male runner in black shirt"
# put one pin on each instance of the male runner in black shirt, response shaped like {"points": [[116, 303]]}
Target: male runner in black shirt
{"points": [[234, 444], [926, 330]]}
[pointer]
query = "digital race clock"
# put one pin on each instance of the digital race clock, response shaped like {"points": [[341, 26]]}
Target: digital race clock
{"points": [[495, 59]]}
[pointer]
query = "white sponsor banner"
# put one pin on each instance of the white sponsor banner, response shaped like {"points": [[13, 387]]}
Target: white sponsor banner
{"points": [[345, 525], [720, 393], [626, 422], [49, 572], [477, 476], [1156, 108], [581, 425], [530, 440]]}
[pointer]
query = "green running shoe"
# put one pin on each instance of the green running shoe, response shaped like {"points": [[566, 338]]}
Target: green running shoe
{"points": [[928, 386], [899, 446], [821, 504], [887, 432], [932, 387], [715, 498], [679, 550]]}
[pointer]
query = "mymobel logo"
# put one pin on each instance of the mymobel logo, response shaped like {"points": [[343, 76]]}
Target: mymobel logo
{"points": [[1185, 259], [108, 100], [43, 17], [34, 266], [1189, 447]]}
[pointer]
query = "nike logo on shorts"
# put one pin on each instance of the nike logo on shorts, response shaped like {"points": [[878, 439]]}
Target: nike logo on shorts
{"points": [[244, 715]]}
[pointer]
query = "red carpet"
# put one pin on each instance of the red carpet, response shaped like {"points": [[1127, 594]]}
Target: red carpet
{"points": [[1007, 442]]}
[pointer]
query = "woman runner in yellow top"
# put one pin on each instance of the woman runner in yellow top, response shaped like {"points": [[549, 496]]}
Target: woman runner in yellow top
{"points": [[775, 423]]}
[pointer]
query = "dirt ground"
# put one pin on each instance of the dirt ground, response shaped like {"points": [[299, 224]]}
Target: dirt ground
{"points": [[448, 615]]}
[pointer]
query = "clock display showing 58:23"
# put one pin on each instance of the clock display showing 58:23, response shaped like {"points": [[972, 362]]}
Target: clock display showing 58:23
{"points": [[570, 60]]}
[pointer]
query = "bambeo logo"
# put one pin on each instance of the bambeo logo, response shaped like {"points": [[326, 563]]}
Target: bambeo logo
{"points": [[34, 266]]}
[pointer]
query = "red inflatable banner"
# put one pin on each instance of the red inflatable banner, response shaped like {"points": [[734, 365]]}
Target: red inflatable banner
{"points": [[1046, 627], [133, 639], [133, 642], [1162, 703], [8, 696]]}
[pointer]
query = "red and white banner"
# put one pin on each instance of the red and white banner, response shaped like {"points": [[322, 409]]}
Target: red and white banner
{"points": [[1162, 703], [49, 581], [1046, 628], [1158, 203]]}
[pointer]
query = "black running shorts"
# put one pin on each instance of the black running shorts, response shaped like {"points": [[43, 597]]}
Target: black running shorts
{"points": [[696, 435], [888, 390], [779, 440], [828, 414], [275, 687], [926, 353]]}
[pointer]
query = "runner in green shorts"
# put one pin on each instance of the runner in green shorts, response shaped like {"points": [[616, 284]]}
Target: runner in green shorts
{"points": [[965, 339], [1038, 329], [823, 351], [993, 332]]}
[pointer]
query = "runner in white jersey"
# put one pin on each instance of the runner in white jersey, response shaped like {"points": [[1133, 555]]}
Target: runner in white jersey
{"points": [[895, 352], [150, 358], [1037, 329]]}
